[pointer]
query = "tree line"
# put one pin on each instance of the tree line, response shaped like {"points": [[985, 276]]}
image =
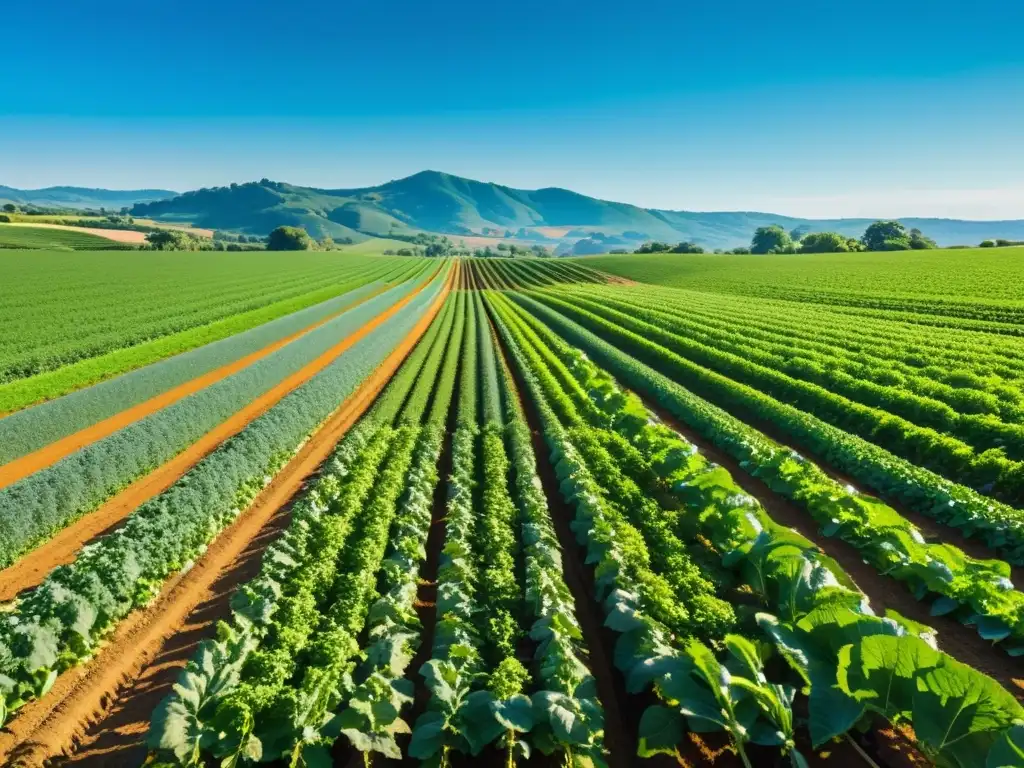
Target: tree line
{"points": [[879, 236]]}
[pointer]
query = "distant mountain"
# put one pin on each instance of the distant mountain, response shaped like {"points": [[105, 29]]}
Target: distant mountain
{"points": [[82, 197], [439, 202]]}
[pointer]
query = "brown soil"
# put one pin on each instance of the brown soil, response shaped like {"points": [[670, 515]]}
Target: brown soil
{"points": [[140, 662], [50, 454], [31, 569], [961, 642]]}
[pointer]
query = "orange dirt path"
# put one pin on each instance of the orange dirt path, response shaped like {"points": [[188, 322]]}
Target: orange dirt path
{"points": [[52, 725], [24, 466], [31, 569]]}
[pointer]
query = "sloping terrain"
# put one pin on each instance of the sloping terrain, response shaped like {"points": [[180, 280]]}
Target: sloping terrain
{"points": [[440, 202], [82, 197]]}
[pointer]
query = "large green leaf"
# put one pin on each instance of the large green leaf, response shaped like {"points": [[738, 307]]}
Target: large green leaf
{"points": [[1008, 751], [959, 714], [427, 736], [514, 714], [831, 712], [660, 731], [477, 721], [881, 671]]}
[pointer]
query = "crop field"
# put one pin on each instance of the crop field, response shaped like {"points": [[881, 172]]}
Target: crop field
{"points": [[66, 327], [982, 283], [71, 238], [605, 512]]}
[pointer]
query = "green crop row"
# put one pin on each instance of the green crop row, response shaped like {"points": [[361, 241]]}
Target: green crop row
{"points": [[948, 456], [841, 654], [869, 382], [1000, 525], [33, 428]]}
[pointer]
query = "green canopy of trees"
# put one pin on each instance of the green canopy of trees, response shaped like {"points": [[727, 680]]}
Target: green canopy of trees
{"points": [[828, 242], [771, 239], [290, 239], [656, 246]]}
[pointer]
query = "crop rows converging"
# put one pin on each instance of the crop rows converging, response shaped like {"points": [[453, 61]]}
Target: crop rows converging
{"points": [[524, 512]]}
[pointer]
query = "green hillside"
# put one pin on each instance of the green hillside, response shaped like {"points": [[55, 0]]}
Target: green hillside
{"points": [[82, 197], [46, 237], [439, 202]]}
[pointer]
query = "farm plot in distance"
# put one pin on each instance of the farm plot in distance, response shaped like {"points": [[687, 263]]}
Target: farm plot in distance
{"points": [[588, 512]]}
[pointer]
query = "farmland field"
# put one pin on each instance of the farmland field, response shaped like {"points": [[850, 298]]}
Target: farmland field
{"points": [[53, 236], [340, 509], [67, 327], [974, 282]]}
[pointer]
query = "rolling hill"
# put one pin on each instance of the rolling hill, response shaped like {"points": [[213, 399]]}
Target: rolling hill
{"points": [[439, 202], [82, 197]]}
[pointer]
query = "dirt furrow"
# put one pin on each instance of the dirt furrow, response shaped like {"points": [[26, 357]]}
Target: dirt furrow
{"points": [[31, 569], [142, 658], [24, 466]]}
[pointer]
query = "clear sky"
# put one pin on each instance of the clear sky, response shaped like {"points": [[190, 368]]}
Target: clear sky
{"points": [[804, 107]]}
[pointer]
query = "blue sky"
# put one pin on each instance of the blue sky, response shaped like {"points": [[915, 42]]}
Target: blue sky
{"points": [[809, 107]]}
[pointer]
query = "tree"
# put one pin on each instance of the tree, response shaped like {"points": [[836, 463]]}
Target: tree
{"points": [[919, 242], [175, 240], [10, 208], [654, 247], [988, 243], [824, 242], [886, 236], [290, 239], [687, 247], [771, 239], [741, 251], [798, 233]]}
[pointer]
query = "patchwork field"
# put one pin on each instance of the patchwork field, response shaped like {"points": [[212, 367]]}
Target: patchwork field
{"points": [[59, 236], [340, 509]]}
